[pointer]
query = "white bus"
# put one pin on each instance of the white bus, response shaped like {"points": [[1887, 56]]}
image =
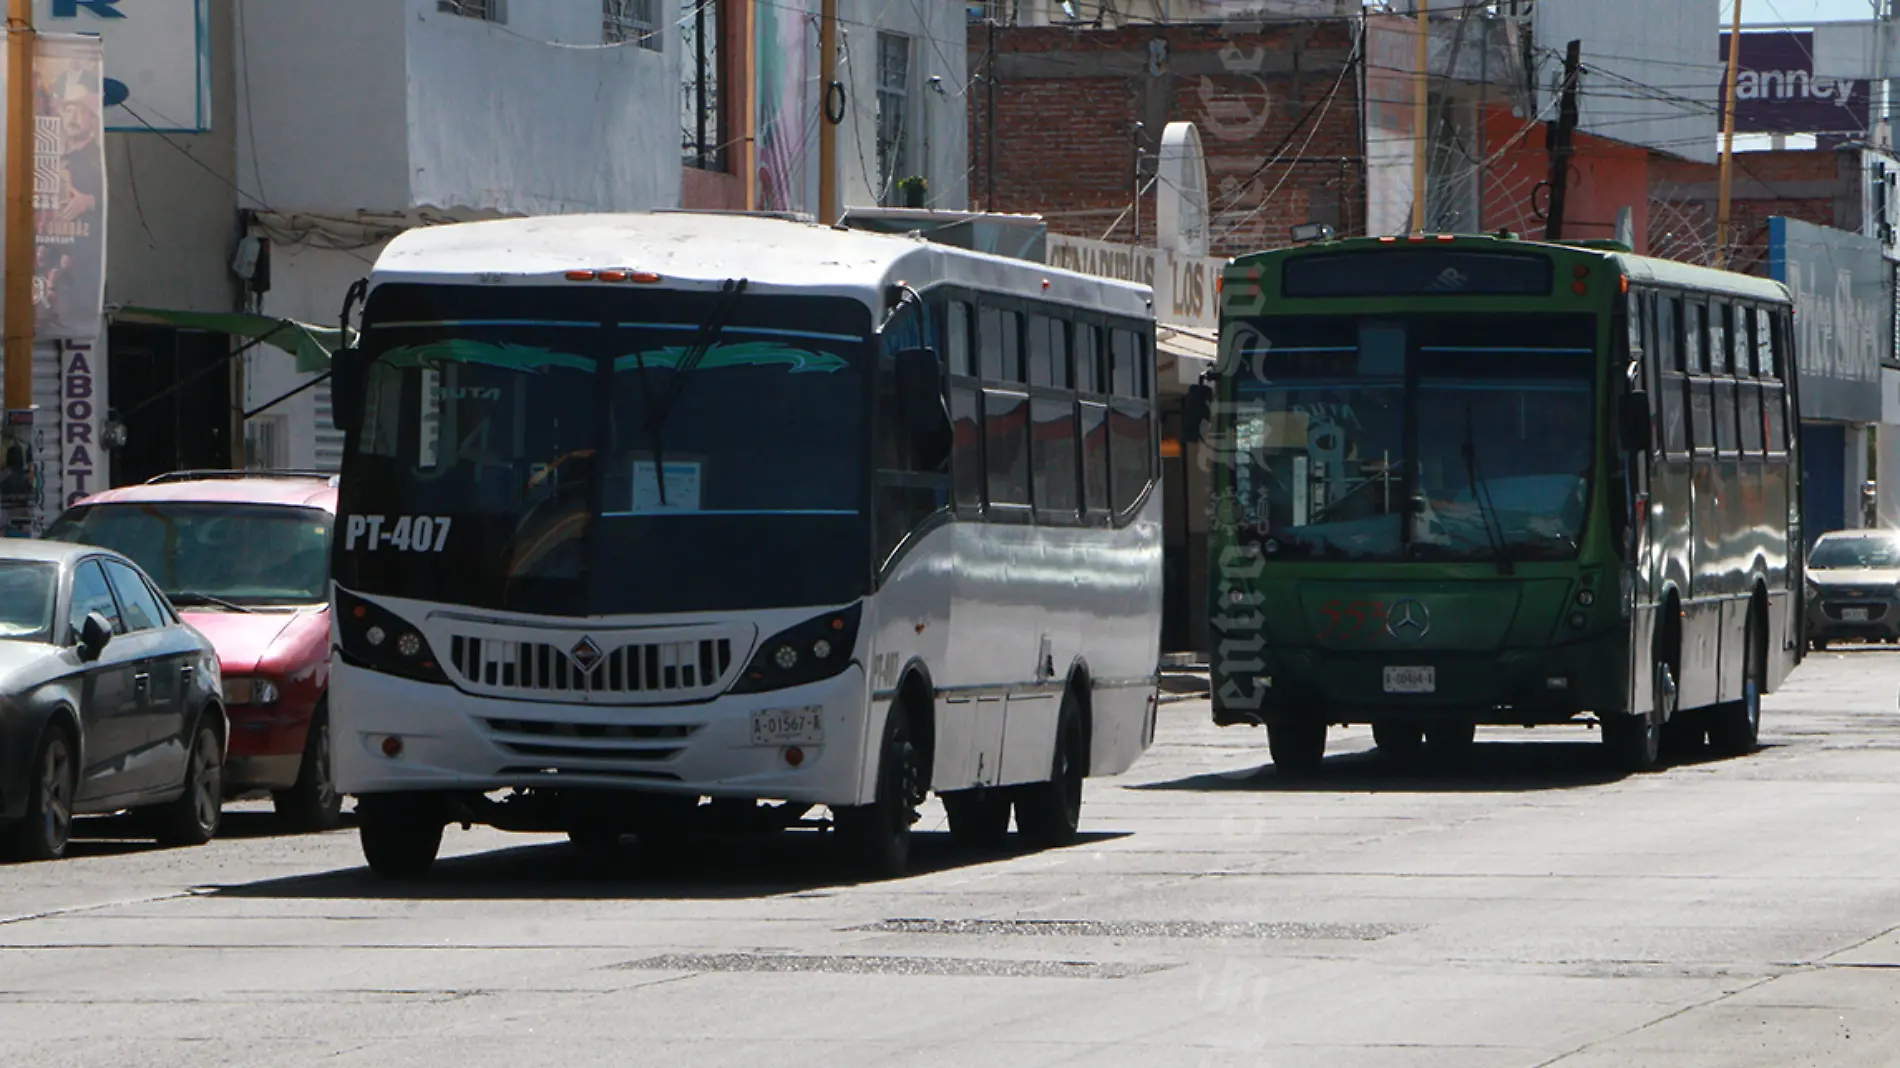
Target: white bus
{"points": [[647, 518]]}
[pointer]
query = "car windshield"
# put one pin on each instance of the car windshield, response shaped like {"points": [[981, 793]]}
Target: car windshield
{"points": [[202, 554], [595, 457], [1832, 554], [26, 600], [1415, 437]]}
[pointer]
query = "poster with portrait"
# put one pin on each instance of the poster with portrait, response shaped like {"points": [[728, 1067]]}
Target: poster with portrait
{"points": [[69, 188]]}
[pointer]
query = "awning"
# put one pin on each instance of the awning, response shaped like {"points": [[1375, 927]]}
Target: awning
{"points": [[1181, 354], [311, 345]]}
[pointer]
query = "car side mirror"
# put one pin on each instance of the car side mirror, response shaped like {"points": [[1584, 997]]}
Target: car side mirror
{"points": [[94, 634], [920, 400], [1195, 409], [345, 368], [1633, 421]]}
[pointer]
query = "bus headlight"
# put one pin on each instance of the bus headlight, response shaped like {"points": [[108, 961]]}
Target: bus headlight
{"points": [[376, 638], [818, 648]]}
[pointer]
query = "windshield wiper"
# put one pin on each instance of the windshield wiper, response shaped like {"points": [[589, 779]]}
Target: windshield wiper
{"points": [[657, 413], [1487, 510], [191, 598]]}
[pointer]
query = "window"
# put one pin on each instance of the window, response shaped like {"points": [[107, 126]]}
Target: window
{"points": [[631, 20], [702, 26], [1058, 497], [1048, 352], [1675, 430], [1720, 362], [486, 10], [966, 454], [999, 343], [91, 594], [1765, 346], [1725, 420], [1636, 326], [1095, 458], [1701, 414], [1669, 333], [1089, 376], [956, 338], [1129, 452], [1753, 432], [141, 607], [1698, 335], [1775, 418], [1006, 446], [893, 113], [1126, 351], [909, 489]]}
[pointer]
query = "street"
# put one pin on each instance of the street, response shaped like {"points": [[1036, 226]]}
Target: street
{"points": [[1527, 910]]}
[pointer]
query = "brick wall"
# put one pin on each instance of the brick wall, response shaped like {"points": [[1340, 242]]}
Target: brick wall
{"points": [[1821, 187], [1067, 100]]}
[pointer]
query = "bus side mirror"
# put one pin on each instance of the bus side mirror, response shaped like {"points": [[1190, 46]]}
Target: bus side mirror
{"points": [[1633, 423], [345, 364], [1195, 409], [920, 401]]}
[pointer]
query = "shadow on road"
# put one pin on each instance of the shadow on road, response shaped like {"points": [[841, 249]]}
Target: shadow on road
{"points": [[796, 862], [1490, 767]]}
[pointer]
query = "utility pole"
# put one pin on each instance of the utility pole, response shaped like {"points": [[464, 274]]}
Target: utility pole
{"points": [[827, 130], [20, 235], [1728, 139], [1421, 83], [1560, 142], [989, 130]]}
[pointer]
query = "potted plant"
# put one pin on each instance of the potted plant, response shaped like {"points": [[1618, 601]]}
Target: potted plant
{"points": [[912, 190]]}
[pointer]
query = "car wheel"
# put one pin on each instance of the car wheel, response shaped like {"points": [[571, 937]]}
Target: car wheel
{"points": [[47, 825], [193, 819], [313, 804], [401, 834]]}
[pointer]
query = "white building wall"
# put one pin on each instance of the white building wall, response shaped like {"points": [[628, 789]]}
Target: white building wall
{"points": [[939, 142], [1653, 69], [502, 119]]}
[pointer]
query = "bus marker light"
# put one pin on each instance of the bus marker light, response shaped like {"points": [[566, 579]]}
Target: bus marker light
{"points": [[392, 746], [1387, 240], [794, 756], [1586, 598], [361, 611], [1623, 283], [1579, 288], [613, 276], [645, 278], [1447, 237], [837, 624], [580, 276], [1580, 271]]}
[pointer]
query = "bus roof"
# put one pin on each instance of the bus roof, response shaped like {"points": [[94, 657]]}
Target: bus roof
{"points": [[702, 250], [1638, 268]]}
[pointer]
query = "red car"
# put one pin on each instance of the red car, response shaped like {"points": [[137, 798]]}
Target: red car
{"points": [[245, 558]]}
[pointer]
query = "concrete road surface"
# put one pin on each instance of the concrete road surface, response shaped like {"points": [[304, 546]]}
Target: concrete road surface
{"points": [[1529, 910]]}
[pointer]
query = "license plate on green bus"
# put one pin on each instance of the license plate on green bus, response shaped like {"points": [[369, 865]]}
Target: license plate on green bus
{"points": [[1411, 680], [1854, 615]]}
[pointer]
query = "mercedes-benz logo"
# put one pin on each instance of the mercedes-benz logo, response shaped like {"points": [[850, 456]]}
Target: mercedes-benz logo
{"points": [[586, 654], [1408, 620]]}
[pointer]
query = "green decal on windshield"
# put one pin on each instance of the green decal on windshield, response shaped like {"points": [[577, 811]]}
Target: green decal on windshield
{"points": [[748, 354], [487, 354]]}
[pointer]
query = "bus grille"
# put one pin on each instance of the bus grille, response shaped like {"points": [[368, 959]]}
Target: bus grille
{"points": [[595, 744], [582, 670]]}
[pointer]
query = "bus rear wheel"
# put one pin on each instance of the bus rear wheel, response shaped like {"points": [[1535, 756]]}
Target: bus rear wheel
{"points": [[1735, 726], [1634, 742], [1048, 814], [1298, 746]]}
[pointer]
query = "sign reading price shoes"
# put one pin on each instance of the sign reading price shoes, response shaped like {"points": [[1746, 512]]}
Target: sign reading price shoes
{"points": [[158, 58]]}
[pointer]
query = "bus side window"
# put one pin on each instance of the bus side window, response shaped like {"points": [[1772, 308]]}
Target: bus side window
{"points": [[1006, 447], [1765, 346], [956, 338], [1669, 333], [999, 344], [1094, 430], [1042, 369], [1697, 333], [966, 414], [1749, 391]]}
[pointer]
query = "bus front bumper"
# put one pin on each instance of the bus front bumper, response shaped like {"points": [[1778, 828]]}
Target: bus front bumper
{"points": [[447, 740], [1507, 688]]}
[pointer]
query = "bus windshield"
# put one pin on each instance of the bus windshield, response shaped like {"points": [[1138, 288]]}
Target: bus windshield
{"points": [[1421, 437], [613, 458]]}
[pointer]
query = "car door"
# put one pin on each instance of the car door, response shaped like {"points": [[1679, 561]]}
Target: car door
{"points": [[158, 681], [108, 711]]}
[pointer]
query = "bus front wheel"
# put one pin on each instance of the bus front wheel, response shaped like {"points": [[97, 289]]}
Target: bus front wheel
{"points": [[875, 838], [401, 834], [1298, 746]]}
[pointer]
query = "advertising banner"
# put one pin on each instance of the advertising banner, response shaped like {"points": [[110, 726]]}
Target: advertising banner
{"points": [[1183, 285], [1777, 91], [1841, 316], [1391, 59], [787, 107], [69, 188]]}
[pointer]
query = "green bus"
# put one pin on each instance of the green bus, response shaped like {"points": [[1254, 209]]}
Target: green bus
{"points": [[1470, 480]]}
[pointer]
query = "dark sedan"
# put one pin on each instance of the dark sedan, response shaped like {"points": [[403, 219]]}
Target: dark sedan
{"points": [[108, 702]]}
